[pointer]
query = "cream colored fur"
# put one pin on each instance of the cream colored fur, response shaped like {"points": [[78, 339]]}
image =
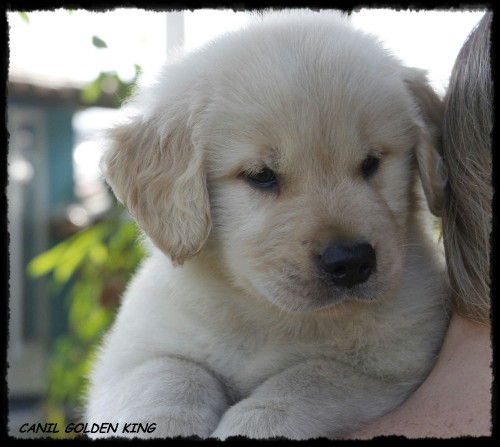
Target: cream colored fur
{"points": [[229, 328]]}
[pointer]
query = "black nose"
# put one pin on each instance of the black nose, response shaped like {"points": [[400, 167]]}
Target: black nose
{"points": [[348, 265]]}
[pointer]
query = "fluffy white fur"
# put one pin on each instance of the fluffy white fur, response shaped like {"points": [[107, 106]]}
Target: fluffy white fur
{"points": [[230, 327]]}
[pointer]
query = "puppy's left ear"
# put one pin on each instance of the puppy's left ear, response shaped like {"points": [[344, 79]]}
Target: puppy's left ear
{"points": [[430, 162], [156, 170]]}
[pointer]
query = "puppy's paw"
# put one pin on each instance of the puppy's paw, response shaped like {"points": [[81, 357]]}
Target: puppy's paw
{"points": [[259, 419], [175, 396]]}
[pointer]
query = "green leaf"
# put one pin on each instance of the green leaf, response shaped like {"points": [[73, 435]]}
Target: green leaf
{"points": [[99, 254], [91, 92], [25, 17], [47, 261], [98, 42], [83, 307], [71, 259], [95, 324]]}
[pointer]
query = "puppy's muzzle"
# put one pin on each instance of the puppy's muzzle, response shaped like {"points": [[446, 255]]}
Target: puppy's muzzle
{"points": [[348, 265]]}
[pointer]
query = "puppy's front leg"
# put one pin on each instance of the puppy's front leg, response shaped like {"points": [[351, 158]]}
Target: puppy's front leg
{"points": [[314, 399], [181, 397]]}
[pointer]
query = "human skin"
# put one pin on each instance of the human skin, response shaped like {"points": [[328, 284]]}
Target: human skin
{"points": [[455, 399]]}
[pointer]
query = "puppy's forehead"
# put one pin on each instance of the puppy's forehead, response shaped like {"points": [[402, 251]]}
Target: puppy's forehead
{"points": [[311, 89]]}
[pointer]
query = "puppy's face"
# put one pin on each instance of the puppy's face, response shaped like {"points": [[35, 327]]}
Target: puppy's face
{"points": [[310, 192], [298, 166]]}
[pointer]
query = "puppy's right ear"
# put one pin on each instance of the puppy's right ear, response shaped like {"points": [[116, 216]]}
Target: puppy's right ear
{"points": [[429, 146], [157, 172]]}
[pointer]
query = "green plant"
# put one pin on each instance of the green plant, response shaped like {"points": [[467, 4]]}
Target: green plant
{"points": [[110, 83], [92, 267]]}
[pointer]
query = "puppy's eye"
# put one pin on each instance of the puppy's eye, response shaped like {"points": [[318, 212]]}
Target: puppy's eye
{"points": [[263, 179], [369, 166]]}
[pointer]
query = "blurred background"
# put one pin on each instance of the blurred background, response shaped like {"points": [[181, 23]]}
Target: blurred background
{"points": [[72, 248]]}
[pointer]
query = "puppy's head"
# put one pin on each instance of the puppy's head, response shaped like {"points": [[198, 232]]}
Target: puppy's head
{"points": [[292, 147]]}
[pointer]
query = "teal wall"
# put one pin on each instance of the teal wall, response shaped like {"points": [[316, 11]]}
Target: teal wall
{"points": [[59, 138], [60, 141]]}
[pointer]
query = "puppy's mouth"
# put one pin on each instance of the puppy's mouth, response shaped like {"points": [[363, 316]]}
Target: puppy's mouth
{"points": [[342, 274], [323, 294], [296, 292]]}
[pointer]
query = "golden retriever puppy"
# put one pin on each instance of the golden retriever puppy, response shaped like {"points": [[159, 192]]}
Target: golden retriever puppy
{"points": [[294, 289]]}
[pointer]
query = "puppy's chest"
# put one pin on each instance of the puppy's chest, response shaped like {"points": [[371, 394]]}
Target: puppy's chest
{"points": [[251, 363], [244, 362]]}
